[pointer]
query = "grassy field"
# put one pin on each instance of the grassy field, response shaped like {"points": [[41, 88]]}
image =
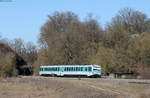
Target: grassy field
{"points": [[39, 87]]}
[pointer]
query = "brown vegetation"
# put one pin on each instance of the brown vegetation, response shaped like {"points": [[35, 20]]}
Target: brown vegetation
{"points": [[40, 87], [122, 46], [10, 61]]}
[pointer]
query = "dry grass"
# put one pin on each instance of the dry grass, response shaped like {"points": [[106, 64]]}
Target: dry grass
{"points": [[37, 87], [125, 88]]}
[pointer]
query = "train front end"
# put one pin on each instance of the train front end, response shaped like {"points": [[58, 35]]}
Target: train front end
{"points": [[97, 70]]}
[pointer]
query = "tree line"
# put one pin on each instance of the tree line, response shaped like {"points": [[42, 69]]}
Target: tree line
{"points": [[122, 46]]}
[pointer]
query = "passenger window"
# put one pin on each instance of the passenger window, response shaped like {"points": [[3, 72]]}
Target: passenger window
{"points": [[85, 68], [71, 68], [65, 69], [81, 68], [76, 68], [89, 68]]}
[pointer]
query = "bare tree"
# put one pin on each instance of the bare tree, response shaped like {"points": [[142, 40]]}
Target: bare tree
{"points": [[131, 21]]}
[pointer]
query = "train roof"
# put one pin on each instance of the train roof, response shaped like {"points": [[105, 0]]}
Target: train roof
{"points": [[72, 65]]}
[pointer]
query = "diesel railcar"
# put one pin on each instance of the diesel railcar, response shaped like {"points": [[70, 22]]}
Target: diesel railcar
{"points": [[70, 70]]}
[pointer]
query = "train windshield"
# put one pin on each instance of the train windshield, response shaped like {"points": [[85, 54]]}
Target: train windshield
{"points": [[96, 67]]}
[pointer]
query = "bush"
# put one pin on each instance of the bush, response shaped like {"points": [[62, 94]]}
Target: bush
{"points": [[7, 66]]}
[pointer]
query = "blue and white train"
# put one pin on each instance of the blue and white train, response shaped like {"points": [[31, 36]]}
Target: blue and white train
{"points": [[71, 70]]}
